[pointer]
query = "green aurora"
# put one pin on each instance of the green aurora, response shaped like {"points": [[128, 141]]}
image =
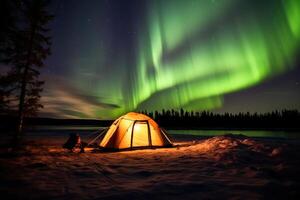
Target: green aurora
{"points": [[189, 54], [185, 61]]}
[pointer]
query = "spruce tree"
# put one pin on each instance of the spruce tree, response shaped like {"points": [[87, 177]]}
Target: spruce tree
{"points": [[30, 47]]}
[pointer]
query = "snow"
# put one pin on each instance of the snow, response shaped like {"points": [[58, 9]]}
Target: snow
{"points": [[221, 167]]}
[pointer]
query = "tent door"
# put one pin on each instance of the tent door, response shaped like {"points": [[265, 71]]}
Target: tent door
{"points": [[140, 134]]}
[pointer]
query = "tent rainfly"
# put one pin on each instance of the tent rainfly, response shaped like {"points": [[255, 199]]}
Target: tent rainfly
{"points": [[134, 130]]}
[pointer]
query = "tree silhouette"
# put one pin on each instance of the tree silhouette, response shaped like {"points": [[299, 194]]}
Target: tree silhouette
{"points": [[29, 47], [287, 119]]}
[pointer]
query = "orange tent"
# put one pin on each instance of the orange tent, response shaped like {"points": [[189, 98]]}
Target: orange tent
{"points": [[134, 130]]}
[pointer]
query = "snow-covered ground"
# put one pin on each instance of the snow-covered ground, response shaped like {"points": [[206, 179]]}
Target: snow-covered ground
{"points": [[221, 167]]}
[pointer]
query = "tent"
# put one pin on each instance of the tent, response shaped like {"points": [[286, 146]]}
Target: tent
{"points": [[134, 130]]}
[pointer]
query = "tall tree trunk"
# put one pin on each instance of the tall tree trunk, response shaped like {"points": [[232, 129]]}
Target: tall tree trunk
{"points": [[21, 104], [21, 113]]}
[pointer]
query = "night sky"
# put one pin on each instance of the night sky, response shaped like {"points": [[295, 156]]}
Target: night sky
{"points": [[114, 56]]}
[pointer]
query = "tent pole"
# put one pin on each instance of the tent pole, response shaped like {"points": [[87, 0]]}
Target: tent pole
{"points": [[149, 135], [132, 134]]}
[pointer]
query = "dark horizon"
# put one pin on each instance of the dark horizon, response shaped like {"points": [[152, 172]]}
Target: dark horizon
{"points": [[151, 113], [288, 120]]}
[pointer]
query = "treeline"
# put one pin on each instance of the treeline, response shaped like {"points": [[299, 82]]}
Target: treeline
{"points": [[182, 119], [284, 119]]}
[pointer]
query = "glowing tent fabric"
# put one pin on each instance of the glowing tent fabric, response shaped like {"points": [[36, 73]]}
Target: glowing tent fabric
{"points": [[134, 130]]}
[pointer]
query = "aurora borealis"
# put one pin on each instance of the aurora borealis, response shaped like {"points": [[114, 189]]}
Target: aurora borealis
{"points": [[111, 57]]}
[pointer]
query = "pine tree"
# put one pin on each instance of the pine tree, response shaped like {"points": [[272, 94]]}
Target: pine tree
{"points": [[30, 47]]}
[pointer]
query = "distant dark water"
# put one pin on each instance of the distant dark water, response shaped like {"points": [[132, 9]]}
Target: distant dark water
{"points": [[250, 133], [90, 131]]}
